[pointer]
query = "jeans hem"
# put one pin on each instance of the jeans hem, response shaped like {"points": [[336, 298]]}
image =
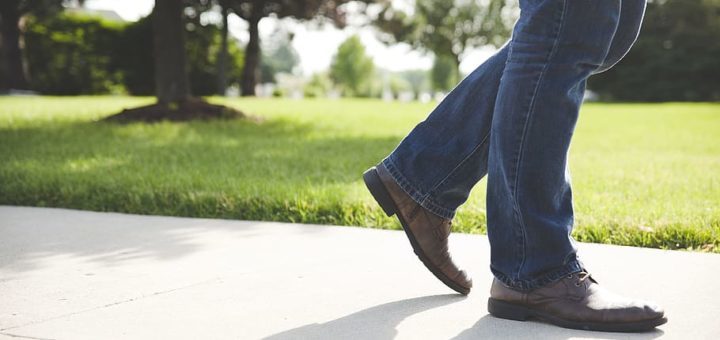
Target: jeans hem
{"points": [[531, 284], [424, 200]]}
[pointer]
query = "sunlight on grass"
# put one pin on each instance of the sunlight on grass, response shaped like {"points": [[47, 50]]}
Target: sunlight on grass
{"points": [[643, 174]]}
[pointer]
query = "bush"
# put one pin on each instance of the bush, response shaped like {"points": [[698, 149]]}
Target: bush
{"points": [[202, 46], [278, 93], [70, 54], [675, 58], [318, 86]]}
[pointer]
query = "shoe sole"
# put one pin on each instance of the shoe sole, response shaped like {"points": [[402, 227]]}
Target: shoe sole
{"points": [[383, 198], [511, 311]]}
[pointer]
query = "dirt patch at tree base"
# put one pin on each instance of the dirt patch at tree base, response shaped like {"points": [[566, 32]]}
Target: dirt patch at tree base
{"points": [[192, 109]]}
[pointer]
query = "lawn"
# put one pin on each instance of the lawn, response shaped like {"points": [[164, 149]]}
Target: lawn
{"points": [[643, 174]]}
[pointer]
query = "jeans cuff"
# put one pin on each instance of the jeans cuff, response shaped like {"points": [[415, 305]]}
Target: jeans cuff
{"points": [[423, 199], [545, 279]]}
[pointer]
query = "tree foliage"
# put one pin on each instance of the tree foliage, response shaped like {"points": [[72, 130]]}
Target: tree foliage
{"points": [[279, 56], [38, 8], [12, 71], [253, 11], [447, 28], [417, 79], [351, 68], [71, 54], [676, 58], [318, 86]]}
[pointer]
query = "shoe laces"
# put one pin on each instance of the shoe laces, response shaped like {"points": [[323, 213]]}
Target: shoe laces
{"points": [[582, 277]]}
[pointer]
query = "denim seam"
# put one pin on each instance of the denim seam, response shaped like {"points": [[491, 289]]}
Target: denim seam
{"points": [[423, 199], [528, 119], [454, 171], [604, 64], [432, 191]]}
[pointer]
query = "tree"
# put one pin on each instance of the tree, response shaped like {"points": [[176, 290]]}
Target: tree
{"points": [[418, 80], [135, 57], [278, 57], [171, 77], [399, 85], [12, 72], [676, 57], [223, 54], [447, 28], [444, 73], [172, 88], [351, 68], [253, 11]]}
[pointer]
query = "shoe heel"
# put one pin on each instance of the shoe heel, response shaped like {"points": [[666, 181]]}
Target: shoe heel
{"points": [[506, 310], [378, 191]]}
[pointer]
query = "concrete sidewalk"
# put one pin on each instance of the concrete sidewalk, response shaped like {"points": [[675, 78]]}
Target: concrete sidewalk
{"points": [[68, 274]]}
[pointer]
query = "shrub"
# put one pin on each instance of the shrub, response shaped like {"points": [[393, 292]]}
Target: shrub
{"points": [[70, 54]]}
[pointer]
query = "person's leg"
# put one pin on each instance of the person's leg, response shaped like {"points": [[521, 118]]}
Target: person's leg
{"points": [[440, 161], [632, 13], [443, 157], [556, 46], [433, 169]]}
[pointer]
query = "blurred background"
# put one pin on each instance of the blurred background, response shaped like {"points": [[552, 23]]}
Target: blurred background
{"points": [[395, 50], [272, 110]]}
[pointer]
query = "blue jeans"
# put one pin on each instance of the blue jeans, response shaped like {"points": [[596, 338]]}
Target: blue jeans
{"points": [[513, 119]]}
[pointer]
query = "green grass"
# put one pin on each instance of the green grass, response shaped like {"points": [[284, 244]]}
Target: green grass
{"points": [[643, 174]]}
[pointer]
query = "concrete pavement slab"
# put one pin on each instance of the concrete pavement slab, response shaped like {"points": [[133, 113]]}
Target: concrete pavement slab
{"points": [[67, 274]]}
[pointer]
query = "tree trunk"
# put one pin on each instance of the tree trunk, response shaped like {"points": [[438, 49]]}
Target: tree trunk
{"points": [[171, 77], [11, 64], [251, 70], [222, 62], [456, 60]]}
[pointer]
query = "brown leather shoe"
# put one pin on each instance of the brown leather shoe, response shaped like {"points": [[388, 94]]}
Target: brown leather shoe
{"points": [[428, 233], [577, 302]]}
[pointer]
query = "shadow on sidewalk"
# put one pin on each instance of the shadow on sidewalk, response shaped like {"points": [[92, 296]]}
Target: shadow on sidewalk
{"points": [[30, 236], [489, 327], [380, 322], [377, 322]]}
